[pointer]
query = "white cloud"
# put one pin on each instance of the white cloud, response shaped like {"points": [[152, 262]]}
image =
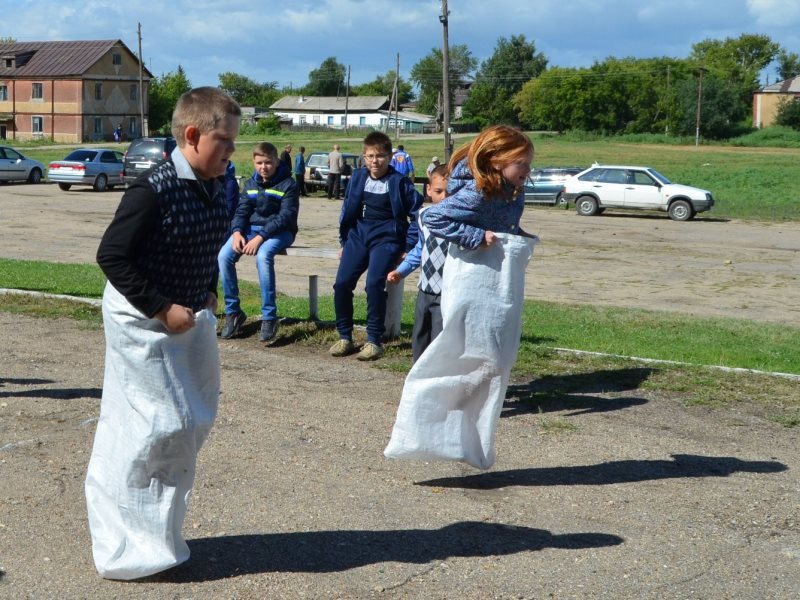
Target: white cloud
{"points": [[775, 13]]}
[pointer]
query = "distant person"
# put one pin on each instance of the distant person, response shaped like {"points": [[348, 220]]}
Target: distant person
{"points": [[286, 156], [378, 223], [264, 224], [402, 163], [430, 252], [335, 167], [162, 377], [431, 166], [231, 189], [118, 133], [300, 171]]}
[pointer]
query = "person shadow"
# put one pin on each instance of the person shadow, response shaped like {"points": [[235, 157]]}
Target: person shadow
{"points": [[576, 393], [330, 551], [620, 471]]}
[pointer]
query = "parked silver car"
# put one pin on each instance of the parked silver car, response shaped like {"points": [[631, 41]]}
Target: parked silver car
{"points": [[14, 166], [100, 168]]}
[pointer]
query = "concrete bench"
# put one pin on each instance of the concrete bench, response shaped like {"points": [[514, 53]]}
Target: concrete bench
{"points": [[394, 301]]}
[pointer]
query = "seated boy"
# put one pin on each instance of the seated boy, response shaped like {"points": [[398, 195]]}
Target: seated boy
{"points": [[376, 226], [430, 252], [162, 379], [265, 223]]}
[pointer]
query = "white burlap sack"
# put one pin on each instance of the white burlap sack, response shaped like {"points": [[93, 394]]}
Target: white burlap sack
{"points": [[160, 397], [454, 393]]}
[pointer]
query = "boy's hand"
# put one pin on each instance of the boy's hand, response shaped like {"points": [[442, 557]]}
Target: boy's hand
{"points": [[176, 318], [393, 276], [489, 238], [251, 247], [238, 242]]}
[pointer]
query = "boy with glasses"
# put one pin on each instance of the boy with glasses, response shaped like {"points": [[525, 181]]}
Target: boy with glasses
{"points": [[377, 225]]}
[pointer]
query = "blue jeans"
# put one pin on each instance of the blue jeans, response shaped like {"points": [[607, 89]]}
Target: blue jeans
{"points": [[265, 263]]}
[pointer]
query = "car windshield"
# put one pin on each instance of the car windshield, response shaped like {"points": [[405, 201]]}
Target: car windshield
{"points": [[318, 160], [659, 176], [82, 155]]}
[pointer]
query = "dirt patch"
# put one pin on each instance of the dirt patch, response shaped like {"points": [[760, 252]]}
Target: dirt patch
{"points": [[640, 497]]}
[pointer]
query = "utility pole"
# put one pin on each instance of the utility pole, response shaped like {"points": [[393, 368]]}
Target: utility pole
{"points": [[346, 98], [396, 95], [448, 144], [699, 104], [142, 124]]}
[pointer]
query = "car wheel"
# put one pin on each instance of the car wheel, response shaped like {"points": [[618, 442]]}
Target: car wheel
{"points": [[101, 183], [586, 206], [64, 186], [680, 210], [35, 176], [561, 201]]}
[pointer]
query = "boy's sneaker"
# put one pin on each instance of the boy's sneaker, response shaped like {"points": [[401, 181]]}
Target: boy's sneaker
{"points": [[268, 330], [233, 323], [370, 351], [342, 348]]}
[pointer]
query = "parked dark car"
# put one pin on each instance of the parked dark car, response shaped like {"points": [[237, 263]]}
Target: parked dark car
{"points": [[546, 185], [317, 170], [145, 153]]}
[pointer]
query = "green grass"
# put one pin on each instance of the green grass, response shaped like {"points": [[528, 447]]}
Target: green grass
{"points": [[544, 379], [752, 177]]}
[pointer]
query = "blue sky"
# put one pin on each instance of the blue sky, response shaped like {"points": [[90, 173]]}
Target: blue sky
{"points": [[284, 40]]}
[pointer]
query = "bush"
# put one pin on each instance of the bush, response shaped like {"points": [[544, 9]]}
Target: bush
{"points": [[788, 113]]}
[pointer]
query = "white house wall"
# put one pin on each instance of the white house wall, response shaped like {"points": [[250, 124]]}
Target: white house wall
{"points": [[315, 118]]}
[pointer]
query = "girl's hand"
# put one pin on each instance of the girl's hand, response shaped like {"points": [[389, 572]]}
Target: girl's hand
{"points": [[489, 238]]}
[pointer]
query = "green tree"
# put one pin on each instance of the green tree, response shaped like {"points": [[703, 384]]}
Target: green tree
{"points": [[327, 80], [788, 113], [248, 92], [513, 63], [383, 85], [163, 96], [7, 40], [738, 60], [719, 114], [427, 75], [788, 65]]}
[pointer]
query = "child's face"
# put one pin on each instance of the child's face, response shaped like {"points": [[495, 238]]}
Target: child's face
{"points": [[437, 188], [517, 172], [265, 166], [209, 152], [376, 160]]}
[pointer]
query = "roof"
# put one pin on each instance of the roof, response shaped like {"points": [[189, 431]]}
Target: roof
{"points": [[56, 59], [406, 115], [330, 103], [783, 87]]}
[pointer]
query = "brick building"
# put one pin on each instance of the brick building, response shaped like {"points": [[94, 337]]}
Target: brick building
{"points": [[71, 91]]}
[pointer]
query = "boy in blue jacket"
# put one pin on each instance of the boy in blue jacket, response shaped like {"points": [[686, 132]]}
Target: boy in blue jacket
{"points": [[264, 224], [377, 225]]}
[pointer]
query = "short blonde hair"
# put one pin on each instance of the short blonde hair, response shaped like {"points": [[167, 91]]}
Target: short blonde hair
{"points": [[203, 107]]}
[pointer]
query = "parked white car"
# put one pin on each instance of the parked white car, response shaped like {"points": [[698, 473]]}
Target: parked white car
{"points": [[100, 168], [14, 166], [641, 188]]}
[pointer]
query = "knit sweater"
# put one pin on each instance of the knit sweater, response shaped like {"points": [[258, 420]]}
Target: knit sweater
{"points": [[465, 215], [162, 244]]}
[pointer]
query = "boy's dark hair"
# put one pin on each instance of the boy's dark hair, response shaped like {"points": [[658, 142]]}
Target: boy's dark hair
{"points": [[441, 171], [265, 149], [380, 140], [302, 148], [400, 147]]}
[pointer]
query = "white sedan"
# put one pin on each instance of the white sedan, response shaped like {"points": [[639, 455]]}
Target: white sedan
{"points": [[14, 166], [100, 168]]}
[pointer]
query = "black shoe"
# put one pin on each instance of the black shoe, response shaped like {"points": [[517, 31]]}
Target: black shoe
{"points": [[233, 323], [268, 330]]}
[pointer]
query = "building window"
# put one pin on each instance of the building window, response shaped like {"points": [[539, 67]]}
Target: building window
{"points": [[37, 125], [98, 90], [9, 63], [3, 93], [302, 119], [330, 119], [132, 127], [316, 119], [116, 58], [343, 121], [134, 92], [362, 120], [98, 125], [36, 91]]}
